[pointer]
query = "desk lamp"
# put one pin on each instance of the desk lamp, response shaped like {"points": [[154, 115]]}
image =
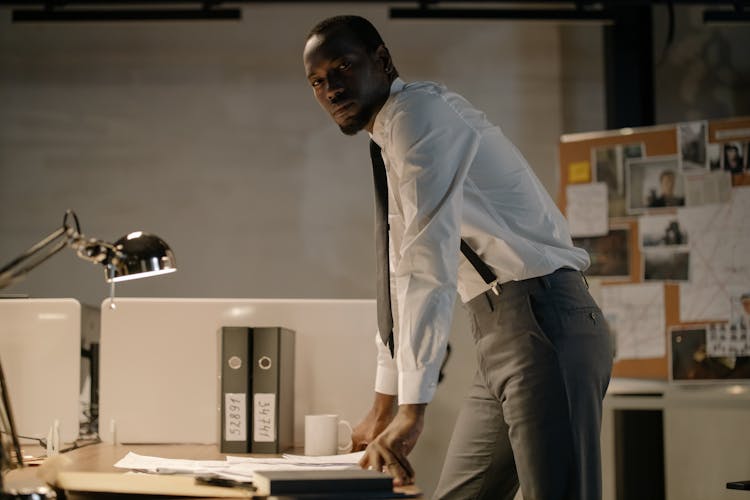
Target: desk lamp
{"points": [[135, 255]]}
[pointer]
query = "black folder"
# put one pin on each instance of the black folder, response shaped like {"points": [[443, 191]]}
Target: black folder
{"points": [[324, 481], [257, 389]]}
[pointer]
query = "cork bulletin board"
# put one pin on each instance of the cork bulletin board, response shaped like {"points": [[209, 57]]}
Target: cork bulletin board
{"points": [[709, 164]]}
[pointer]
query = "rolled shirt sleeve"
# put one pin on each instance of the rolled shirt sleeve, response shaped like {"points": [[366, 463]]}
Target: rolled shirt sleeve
{"points": [[428, 150], [386, 374]]}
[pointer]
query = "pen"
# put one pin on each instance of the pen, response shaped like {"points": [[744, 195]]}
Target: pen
{"points": [[224, 482], [171, 470]]}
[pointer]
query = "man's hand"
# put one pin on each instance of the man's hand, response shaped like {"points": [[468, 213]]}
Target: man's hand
{"points": [[388, 451], [377, 419]]}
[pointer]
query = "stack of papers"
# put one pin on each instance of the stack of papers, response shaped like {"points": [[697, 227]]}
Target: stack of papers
{"points": [[236, 468]]}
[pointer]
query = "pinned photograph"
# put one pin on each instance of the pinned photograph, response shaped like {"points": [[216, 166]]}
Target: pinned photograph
{"points": [[609, 254], [635, 150], [732, 159], [608, 168], [661, 230], [691, 144], [740, 310], [701, 353], [713, 150], [653, 183], [666, 264]]}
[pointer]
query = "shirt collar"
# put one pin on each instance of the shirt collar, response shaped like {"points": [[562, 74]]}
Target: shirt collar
{"points": [[377, 127]]}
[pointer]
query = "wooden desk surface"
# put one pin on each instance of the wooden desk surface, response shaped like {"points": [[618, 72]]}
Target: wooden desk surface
{"points": [[101, 457]]}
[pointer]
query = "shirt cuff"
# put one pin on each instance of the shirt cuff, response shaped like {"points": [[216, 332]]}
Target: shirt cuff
{"points": [[386, 375], [417, 387], [386, 380]]}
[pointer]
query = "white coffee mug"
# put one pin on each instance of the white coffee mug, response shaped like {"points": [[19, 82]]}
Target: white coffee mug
{"points": [[324, 435]]}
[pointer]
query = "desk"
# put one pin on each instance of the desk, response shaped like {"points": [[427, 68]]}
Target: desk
{"points": [[102, 457], [697, 433]]}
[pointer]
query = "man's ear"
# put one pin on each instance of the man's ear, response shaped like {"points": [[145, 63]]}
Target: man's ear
{"points": [[384, 58]]}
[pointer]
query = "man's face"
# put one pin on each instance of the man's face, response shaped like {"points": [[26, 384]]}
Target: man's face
{"points": [[667, 184], [746, 305], [348, 82]]}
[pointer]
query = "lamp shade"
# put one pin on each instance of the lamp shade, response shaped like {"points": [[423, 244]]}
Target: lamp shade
{"points": [[140, 255]]}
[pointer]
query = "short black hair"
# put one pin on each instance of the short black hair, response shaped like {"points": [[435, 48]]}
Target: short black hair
{"points": [[360, 28], [665, 173]]}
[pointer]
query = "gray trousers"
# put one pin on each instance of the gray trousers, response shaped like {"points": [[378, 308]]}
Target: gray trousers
{"points": [[533, 414]]}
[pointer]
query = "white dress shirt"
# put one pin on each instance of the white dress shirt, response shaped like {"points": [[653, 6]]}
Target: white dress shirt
{"points": [[452, 175]]}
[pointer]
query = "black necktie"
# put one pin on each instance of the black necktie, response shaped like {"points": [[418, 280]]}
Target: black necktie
{"points": [[385, 316]]}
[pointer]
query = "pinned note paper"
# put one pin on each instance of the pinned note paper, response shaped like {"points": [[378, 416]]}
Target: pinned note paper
{"points": [[635, 313], [579, 172], [587, 209]]}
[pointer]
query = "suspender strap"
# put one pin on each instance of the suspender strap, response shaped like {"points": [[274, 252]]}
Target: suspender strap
{"points": [[483, 269]]}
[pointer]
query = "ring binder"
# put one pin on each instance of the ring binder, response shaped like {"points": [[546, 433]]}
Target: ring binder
{"points": [[257, 389]]}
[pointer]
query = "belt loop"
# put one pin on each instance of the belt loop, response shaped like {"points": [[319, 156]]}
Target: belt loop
{"points": [[545, 281], [584, 279]]}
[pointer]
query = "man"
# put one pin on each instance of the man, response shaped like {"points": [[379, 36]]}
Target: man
{"points": [[544, 352], [673, 235], [743, 322], [733, 159], [666, 196]]}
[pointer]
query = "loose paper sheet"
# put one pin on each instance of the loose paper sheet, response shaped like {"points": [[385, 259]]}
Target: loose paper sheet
{"points": [[635, 313], [720, 256], [237, 468], [587, 209]]}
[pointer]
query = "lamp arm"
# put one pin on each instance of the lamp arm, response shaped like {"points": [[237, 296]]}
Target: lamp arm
{"points": [[93, 250], [67, 235], [31, 258]]}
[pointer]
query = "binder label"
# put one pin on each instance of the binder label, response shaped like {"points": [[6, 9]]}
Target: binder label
{"points": [[235, 424], [264, 417]]}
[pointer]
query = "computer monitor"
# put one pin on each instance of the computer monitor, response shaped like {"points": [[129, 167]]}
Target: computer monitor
{"points": [[159, 380], [40, 342]]}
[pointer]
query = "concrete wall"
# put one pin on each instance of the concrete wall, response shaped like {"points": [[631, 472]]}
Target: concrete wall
{"points": [[582, 83], [207, 135], [704, 73]]}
